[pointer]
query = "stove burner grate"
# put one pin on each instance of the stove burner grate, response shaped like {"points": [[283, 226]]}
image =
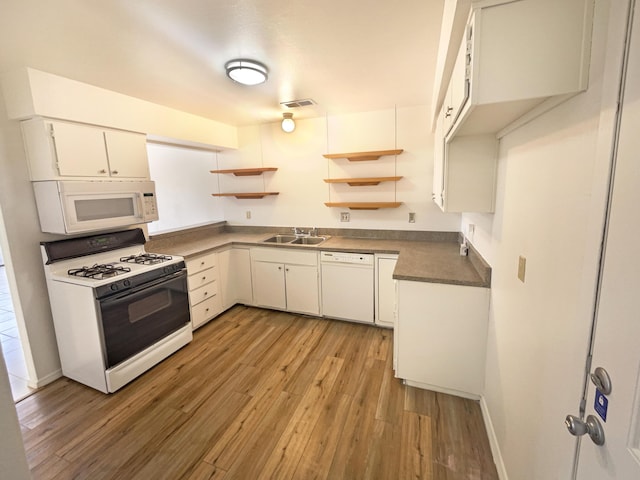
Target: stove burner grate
{"points": [[99, 271], [146, 258]]}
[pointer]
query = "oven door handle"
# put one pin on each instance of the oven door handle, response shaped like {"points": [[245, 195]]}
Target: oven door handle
{"points": [[144, 286]]}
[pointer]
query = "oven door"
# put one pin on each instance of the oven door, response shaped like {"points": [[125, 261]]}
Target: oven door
{"points": [[138, 318]]}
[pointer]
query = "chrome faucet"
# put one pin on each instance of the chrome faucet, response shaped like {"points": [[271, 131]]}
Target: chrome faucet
{"points": [[299, 232]]}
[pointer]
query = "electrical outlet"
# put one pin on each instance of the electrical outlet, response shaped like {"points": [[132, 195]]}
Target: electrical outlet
{"points": [[345, 216], [248, 214], [412, 217], [522, 267]]}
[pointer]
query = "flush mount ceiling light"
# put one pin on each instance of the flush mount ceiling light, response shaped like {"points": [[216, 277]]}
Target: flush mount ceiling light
{"points": [[288, 125], [246, 72]]}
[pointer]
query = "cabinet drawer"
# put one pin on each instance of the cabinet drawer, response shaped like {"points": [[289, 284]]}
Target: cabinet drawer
{"points": [[202, 278], [205, 311], [200, 294], [201, 262]]}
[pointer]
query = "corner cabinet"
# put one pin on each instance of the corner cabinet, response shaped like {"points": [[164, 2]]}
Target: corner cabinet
{"points": [[63, 150], [363, 181], [235, 276], [245, 172], [516, 60]]}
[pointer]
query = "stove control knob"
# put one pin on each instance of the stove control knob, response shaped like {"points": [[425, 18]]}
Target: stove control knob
{"points": [[126, 283], [114, 286]]}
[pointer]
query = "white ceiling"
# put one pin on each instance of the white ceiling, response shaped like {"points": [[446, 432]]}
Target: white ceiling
{"points": [[348, 55]]}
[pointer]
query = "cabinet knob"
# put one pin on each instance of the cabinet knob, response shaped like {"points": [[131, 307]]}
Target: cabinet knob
{"points": [[115, 172], [204, 278], [447, 114], [102, 171]]}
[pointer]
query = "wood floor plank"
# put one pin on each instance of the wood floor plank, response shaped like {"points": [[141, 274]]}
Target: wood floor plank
{"points": [[259, 394], [318, 455], [286, 455], [256, 450], [417, 447]]}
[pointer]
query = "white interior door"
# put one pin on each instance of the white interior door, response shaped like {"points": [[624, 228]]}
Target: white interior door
{"points": [[617, 339]]}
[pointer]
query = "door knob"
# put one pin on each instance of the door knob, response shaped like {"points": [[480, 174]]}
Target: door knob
{"points": [[592, 426]]}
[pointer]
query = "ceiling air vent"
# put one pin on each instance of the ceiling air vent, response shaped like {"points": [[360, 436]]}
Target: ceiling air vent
{"points": [[298, 103]]}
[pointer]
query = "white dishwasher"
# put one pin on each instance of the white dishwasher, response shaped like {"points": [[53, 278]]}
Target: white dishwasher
{"points": [[347, 286]]}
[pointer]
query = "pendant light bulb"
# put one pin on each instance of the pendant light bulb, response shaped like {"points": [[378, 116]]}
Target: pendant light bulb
{"points": [[288, 125]]}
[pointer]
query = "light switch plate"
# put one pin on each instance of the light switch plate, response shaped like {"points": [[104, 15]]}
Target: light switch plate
{"points": [[522, 266]]}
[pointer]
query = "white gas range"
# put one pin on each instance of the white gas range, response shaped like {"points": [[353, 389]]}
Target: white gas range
{"points": [[117, 309]]}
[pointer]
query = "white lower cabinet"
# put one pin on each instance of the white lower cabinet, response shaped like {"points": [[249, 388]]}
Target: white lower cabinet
{"points": [[203, 283], [286, 280], [235, 276], [385, 290], [441, 336]]}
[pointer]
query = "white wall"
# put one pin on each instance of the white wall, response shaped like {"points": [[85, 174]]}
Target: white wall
{"points": [[302, 168], [183, 187], [539, 329], [22, 237]]}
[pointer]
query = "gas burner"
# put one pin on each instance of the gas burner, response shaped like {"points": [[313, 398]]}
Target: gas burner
{"points": [[99, 271], [146, 258]]}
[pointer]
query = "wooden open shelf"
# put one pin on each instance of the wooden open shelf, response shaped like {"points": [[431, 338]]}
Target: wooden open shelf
{"points": [[361, 182], [245, 195], [363, 156], [364, 205], [244, 172]]}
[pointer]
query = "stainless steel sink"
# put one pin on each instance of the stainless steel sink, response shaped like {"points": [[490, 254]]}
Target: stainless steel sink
{"points": [[280, 239], [308, 240]]}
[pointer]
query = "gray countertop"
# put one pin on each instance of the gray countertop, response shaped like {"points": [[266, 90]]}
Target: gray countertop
{"points": [[421, 261]]}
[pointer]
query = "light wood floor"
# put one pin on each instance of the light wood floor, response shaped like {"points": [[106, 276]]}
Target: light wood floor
{"points": [[260, 395]]}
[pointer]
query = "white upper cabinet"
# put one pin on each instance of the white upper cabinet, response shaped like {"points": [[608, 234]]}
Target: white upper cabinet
{"points": [[127, 154], [519, 54], [515, 60], [63, 150]]}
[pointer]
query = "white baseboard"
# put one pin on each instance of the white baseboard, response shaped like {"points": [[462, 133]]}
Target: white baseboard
{"points": [[47, 379], [493, 440]]}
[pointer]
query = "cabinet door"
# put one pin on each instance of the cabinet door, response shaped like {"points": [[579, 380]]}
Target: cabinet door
{"points": [[385, 292], [80, 150], [241, 275], [269, 285], [227, 292], [470, 174], [302, 289], [438, 163], [459, 85], [127, 153], [234, 269]]}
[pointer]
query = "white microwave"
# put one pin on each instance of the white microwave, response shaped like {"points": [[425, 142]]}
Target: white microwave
{"points": [[70, 207]]}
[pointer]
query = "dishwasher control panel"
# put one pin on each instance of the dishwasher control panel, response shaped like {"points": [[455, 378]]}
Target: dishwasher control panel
{"points": [[347, 257]]}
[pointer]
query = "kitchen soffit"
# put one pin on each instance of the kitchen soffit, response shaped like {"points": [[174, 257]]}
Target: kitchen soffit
{"points": [[348, 56]]}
